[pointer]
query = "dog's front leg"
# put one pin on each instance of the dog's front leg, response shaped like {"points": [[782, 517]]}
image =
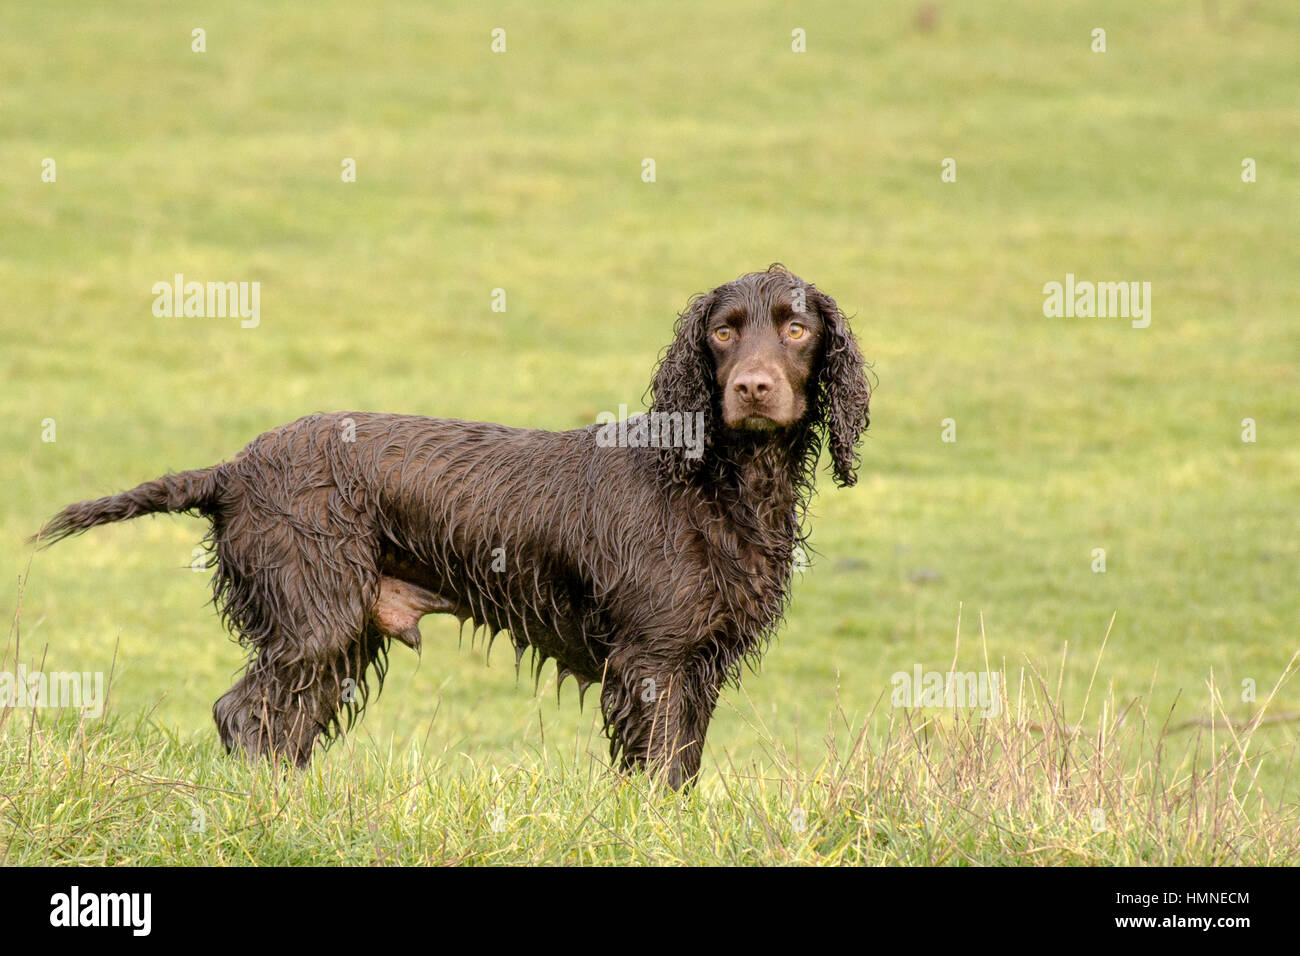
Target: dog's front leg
{"points": [[657, 715], [699, 697]]}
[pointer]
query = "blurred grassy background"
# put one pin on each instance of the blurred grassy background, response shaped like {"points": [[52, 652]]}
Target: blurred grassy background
{"points": [[522, 171]]}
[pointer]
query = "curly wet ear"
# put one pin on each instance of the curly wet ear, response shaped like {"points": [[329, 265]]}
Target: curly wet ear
{"points": [[683, 381], [844, 393]]}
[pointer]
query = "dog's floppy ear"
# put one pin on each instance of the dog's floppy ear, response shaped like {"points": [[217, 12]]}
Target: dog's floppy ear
{"points": [[843, 392], [683, 381]]}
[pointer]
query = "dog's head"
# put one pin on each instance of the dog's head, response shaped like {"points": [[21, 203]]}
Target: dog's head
{"points": [[770, 357]]}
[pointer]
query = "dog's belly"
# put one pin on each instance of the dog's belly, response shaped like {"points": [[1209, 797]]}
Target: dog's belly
{"points": [[408, 590]]}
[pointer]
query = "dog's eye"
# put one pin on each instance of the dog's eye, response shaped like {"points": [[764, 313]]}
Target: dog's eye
{"points": [[795, 330], [723, 334]]}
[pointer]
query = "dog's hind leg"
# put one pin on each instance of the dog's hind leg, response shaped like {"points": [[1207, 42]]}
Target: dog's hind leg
{"points": [[299, 594], [281, 709]]}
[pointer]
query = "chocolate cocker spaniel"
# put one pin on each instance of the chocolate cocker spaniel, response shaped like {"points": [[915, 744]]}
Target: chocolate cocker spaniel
{"points": [[652, 556]]}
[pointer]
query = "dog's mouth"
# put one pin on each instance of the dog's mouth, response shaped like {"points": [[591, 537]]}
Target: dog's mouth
{"points": [[765, 415], [755, 422]]}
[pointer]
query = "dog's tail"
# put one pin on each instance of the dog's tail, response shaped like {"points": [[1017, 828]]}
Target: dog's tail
{"points": [[196, 491]]}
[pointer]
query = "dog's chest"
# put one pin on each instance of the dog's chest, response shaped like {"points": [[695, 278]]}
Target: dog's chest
{"points": [[747, 567]]}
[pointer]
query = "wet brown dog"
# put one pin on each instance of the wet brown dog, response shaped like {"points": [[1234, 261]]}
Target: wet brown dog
{"points": [[652, 557]]}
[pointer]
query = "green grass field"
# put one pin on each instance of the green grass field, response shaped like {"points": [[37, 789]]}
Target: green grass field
{"points": [[523, 171]]}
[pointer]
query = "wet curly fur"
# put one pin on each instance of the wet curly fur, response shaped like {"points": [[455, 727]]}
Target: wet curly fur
{"points": [[653, 571]]}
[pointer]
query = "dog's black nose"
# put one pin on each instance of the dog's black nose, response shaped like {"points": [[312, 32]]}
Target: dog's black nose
{"points": [[753, 386]]}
